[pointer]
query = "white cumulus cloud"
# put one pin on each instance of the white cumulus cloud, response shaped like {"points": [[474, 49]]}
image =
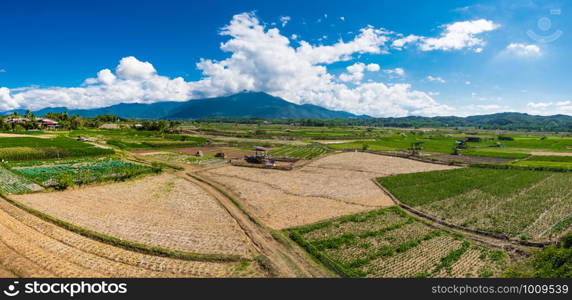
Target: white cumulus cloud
{"points": [[259, 59], [134, 81], [400, 43], [284, 20], [370, 40], [460, 35], [356, 71], [523, 49], [398, 72], [549, 108], [373, 67], [435, 78]]}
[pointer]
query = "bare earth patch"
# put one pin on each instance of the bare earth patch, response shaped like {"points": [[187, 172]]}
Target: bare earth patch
{"points": [[551, 153], [165, 211], [40, 136], [31, 247], [333, 186]]}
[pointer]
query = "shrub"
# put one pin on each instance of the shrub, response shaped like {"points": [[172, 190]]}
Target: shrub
{"points": [[64, 181], [555, 261]]}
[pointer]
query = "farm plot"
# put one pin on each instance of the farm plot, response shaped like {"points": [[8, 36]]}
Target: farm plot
{"points": [[335, 185], [33, 148], [301, 152], [164, 211], [389, 243], [547, 161], [131, 139], [175, 157], [31, 247], [521, 204], [83, 171], [13, 184]]}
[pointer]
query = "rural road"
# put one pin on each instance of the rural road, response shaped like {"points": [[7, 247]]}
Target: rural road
{"points": [[286, 258]]}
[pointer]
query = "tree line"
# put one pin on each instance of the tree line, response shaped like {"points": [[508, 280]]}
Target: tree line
{"points": [[29, 121]]}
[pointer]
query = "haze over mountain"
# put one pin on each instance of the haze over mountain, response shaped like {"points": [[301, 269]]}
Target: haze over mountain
{"points": [[264, 106], [241, 105]]}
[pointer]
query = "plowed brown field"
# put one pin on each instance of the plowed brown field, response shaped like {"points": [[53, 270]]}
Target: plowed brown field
{"points": [[31, 247], [165, 211], [335, 185]]}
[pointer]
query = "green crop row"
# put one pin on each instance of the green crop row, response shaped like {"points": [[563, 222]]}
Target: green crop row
{"points": [[13, 184], [515, 201], [84, 173], [301, 152], [31, 148], [367, 244]]}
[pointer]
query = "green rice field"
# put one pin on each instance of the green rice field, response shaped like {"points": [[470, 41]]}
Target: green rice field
{"points": [[524, 204]]}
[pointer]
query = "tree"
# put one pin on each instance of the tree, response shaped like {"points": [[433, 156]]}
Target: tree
{"points": [[76, 122], [555, 261]]}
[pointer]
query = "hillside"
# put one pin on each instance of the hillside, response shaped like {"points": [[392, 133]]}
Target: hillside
{"points": [[258, 105], [506, 121], [242, 105]]}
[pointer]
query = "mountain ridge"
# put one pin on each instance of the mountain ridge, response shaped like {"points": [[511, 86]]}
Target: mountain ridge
{"points": [[241, 105], [264, 106]]}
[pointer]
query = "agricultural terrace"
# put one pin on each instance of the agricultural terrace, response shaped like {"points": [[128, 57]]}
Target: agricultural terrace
{"points": [[80, 171], [164, 211], [529, 205], [31, 247], [390, 243], [301, 152], [35, 148], [332, 186], [11, 183]]}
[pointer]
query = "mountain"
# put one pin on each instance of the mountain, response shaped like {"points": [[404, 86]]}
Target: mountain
{"points": [[264, 106], [506, 121], [242, 105], [253, 105]]}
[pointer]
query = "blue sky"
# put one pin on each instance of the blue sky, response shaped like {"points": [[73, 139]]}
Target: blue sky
{"points": [[463, 57]]}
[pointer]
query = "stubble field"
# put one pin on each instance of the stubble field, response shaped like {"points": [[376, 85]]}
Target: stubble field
{"points": [[390, 243], [31, 247], [164, 211], [330, 187]]}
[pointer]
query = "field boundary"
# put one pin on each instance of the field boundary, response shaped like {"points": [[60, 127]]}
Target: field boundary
{"points": [[276, 235], [345, 270], [514, 167], [424, 215], [125, 244], [407, 156], [260, 166]]}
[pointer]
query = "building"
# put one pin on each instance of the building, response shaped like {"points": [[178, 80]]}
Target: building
{"points": [[48, 124], [16, 120]]}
